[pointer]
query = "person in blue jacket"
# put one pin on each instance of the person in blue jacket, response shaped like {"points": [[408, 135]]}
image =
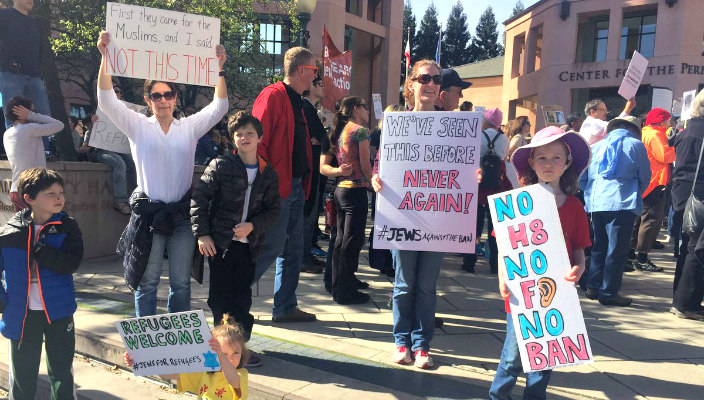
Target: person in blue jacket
{"points": [[613, 185], [41, 249]]}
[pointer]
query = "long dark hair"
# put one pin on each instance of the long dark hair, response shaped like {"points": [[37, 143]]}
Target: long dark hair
{"points": [[341, 118], [568, 180]]}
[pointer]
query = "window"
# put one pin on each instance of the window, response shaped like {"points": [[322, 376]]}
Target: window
{"points": [[352, 7], [519, 49], [270, 38], [638, 33], [593, 38]]}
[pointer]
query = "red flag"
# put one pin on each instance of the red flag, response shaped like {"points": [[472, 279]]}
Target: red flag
{"points": [[407, 52], [337, 72]]}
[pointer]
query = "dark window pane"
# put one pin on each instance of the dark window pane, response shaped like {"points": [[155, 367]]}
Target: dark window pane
{"points": [[600, 50]]}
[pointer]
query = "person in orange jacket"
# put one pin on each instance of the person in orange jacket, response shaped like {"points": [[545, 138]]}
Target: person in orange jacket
{"points": [[660, 155]]}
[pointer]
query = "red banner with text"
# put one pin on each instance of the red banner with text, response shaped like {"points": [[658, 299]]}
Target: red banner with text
{"points": [[337, 72]]}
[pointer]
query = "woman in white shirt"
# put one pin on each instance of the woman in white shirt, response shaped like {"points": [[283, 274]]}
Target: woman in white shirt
{"points": [[163, 149]]}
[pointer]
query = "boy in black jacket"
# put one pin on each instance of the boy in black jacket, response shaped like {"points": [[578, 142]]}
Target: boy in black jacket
{"points": [[233, 205], [41, 249]]}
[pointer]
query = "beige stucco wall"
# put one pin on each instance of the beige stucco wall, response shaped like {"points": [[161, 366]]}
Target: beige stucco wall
{"points": [[484, 92], [678, 43], [89, 200]]}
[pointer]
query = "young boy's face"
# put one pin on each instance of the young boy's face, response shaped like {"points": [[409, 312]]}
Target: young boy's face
{"points": [[246, 139], [48, 201]]}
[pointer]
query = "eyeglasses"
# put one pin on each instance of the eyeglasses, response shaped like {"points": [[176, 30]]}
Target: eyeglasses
{"points": [[313, 67], [156, 96], [425, 79]]}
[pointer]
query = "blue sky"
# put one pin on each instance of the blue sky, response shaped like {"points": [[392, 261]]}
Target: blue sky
{"points": [[473, 9]]}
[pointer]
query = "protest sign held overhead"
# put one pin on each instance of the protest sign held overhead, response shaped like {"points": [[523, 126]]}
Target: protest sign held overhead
{"points": [[150, 43], [545, 308], [633, 76], [337, 72], [169, 343], [428, 163]]}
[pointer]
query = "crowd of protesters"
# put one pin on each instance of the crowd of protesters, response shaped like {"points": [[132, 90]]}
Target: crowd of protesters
{"points": [[271, 172]]}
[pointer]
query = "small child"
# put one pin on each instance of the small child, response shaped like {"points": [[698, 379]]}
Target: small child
{"points": [[236, 201], [23, 141], [41, 248], [230, 383], [556, 158]]}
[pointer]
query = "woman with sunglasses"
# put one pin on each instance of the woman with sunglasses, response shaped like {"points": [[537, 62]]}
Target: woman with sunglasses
{"points": [[163, 149], [417, 272], [349, 145]]}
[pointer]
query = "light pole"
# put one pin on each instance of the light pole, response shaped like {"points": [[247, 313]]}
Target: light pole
{"points": [[305, 8]]}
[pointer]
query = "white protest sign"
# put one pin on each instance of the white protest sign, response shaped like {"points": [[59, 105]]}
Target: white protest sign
{"points": [[633, 76], [662, 98], [545, 307], [378, 108], [105, 135], [428, 163], [479, 109], [169, 343], [687, 102], [150, 43]]}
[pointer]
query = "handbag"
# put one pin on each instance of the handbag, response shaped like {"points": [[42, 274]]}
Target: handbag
{"points": [[693, 217]]}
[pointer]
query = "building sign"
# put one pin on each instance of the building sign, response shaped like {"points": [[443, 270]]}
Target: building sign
{"points": [[150, 43], [653, 70], [428, 163], [545, 308]]}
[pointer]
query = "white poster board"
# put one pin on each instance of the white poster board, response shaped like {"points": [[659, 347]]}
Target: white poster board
{"points": [[633, 76], [428, 163], [169, 343], [687, 102], [105, 135], [150, 43], [479, 109], [662, 98], [545, 307], [378, 108]]}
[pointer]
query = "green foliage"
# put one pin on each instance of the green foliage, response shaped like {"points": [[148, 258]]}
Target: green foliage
{"points": [[76, 25], [455, 42], [485, 44], [427, 38], [517, 9]]}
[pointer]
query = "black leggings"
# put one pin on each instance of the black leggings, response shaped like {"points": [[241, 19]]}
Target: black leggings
{"points": [[351, 222]]}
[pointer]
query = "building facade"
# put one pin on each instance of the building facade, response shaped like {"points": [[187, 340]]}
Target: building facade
{"points": [[563, 53]]}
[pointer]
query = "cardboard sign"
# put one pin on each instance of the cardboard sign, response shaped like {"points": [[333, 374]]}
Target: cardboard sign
{"points": [[428, 163], [553, 115], [150, 43], [633, 76], [544, 306], [105, 135], [378, 108], [687, 102], [479, 109], [169, 343]]}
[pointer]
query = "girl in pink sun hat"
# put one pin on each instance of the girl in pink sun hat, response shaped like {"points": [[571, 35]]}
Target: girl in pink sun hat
{"points": [[556, 158]]}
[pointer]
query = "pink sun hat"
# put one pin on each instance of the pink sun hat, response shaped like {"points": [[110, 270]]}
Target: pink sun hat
{"points": [[578, 148]]}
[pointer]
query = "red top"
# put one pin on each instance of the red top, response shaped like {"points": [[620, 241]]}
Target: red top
{"points": [[575, 227], [273, 108]]}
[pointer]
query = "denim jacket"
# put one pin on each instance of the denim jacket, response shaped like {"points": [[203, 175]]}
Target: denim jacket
{"points": [[627, 179]]}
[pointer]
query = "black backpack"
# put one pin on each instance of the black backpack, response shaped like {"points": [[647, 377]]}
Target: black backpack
{"points": [[491, 165]]}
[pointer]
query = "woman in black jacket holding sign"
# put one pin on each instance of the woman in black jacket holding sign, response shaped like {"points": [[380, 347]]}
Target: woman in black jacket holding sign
{"points": [[689, 275]]}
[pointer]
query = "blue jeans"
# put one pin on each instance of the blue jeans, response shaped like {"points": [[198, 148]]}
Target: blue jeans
{"points": [[284, 244], [510, 367], [612, 235], [12, 85], [414, 297], [119, 172], [179, 247]]}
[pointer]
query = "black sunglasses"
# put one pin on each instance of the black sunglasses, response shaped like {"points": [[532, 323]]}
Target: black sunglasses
{"points": [[425, 79], [156, 96]]}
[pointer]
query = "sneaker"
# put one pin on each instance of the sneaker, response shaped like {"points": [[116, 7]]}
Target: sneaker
{"points": [[402, 355], [318, 252], [695, 315], [629, 266], [253, 361], [354, 298], [616, 300], [296, 315], [647, 266], [423, 360], [591, 294]]}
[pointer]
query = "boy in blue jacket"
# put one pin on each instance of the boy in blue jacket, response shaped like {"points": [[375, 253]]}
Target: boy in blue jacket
{"points": [[41, 249]]}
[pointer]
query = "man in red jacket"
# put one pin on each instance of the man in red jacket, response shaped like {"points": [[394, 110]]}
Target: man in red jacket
{"points": [[286, 146], [661, 155]]}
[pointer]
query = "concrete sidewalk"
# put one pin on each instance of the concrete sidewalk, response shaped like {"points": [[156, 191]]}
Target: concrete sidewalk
{"points": [[640, 352]]}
